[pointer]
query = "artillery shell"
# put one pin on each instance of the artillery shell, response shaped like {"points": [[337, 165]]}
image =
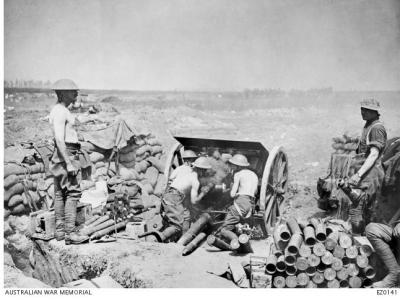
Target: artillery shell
{"points": [[311, 285], [339, 252], [329, 274], [346, 261], [337, 264], [369, 272], [367, 282], [344, 283], [291, 270], [194, 244], [290, 259], [319, 249], [351, 252], [352, 269], [314, 260], [321, 267], [327, 258], [295, 243], [245, 246], [235, 245], [271, 264], [362, 261], [302, 263], [310, 271], [309, 236], [194, 230], [284, 233], [304, 250], [355, 282], [279, 282], [228, 235], [212, 240], [320, 233], [293, 226], [366, 250], [302, 279], [280, 264], [291, 281], [342, 274], [318, 278], [329, 229], [345, 240], [333, 284], [279, 243]]}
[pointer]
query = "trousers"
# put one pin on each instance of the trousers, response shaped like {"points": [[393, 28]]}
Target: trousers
{"points": [[245, 205], [174, 211]]}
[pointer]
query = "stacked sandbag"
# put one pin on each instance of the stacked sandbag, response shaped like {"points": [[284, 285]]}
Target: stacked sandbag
{"points": [[27, 186], [345, 144]]}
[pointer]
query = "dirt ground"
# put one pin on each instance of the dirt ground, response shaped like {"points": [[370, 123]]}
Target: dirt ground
{"points": [[303, 124]]}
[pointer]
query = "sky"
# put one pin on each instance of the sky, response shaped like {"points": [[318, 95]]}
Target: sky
{"points": [[205, 45]]}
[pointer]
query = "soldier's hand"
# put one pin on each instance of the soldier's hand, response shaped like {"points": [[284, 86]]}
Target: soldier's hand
{"points": [[71, 169], [396, 231], [355, 180]]}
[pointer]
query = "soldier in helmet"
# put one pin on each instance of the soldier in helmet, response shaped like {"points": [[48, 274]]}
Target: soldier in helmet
{"points": [[68, 163], [364, 186], [243, 191], [184, 185]]}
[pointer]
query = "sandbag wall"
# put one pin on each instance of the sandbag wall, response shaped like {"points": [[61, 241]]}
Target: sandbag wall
{"points": [[140, 162], [26, 188]]}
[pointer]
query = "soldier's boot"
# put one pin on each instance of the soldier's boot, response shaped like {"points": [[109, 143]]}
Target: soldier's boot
{"points": [[72, 236], [59, 211]]}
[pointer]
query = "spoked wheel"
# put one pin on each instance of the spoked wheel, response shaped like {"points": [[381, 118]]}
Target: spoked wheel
{"points": [[174, 159], [273, 187]]}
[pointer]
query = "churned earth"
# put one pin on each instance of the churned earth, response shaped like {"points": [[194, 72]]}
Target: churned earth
{"points": [[303, 124]]}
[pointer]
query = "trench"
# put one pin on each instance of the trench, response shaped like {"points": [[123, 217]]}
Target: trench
{"points": [[57, 268]]}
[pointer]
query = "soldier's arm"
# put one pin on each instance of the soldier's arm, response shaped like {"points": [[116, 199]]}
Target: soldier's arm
{"points": [[235, 185], [59, 136], [195, 197], [369, 162]]}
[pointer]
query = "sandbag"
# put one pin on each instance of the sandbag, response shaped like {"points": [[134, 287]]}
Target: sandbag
{"points": [[15, 169], [18, 189], [147, 188], [95, 157], [159, 156], [15, 200], [129, 165], [14, 179], [19, 209], [128, 149], [127, 157], [7, 213], [155, 150], [153, 142], [151, 175], [143, 149], [157, 163], [142, 166], [127, 174], [33, 195], [144, 156], [10, 181], [100, 164], [160, 185]]}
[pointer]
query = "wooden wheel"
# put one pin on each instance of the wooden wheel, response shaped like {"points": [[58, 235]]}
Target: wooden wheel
{"points": [[273, 186], [174, 159]]}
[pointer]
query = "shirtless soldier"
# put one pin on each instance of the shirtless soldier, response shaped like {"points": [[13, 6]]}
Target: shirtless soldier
{"points": [[67, 163], [185, 184], [244, 188]]}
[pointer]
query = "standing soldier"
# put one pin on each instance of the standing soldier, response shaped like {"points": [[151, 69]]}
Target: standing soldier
{"points": [[67, 163], [243, 191], [365, 184]]}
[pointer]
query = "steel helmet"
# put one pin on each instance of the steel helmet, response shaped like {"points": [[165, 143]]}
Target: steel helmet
{"points": [[371, 104], [64, 84], [239, 160], [202, 163], [189, 154]]}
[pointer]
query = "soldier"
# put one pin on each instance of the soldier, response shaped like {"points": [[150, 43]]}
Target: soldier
{"points": [[364, 186], [67, 163], [382, 238], [244, 188], [185, 184]]}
